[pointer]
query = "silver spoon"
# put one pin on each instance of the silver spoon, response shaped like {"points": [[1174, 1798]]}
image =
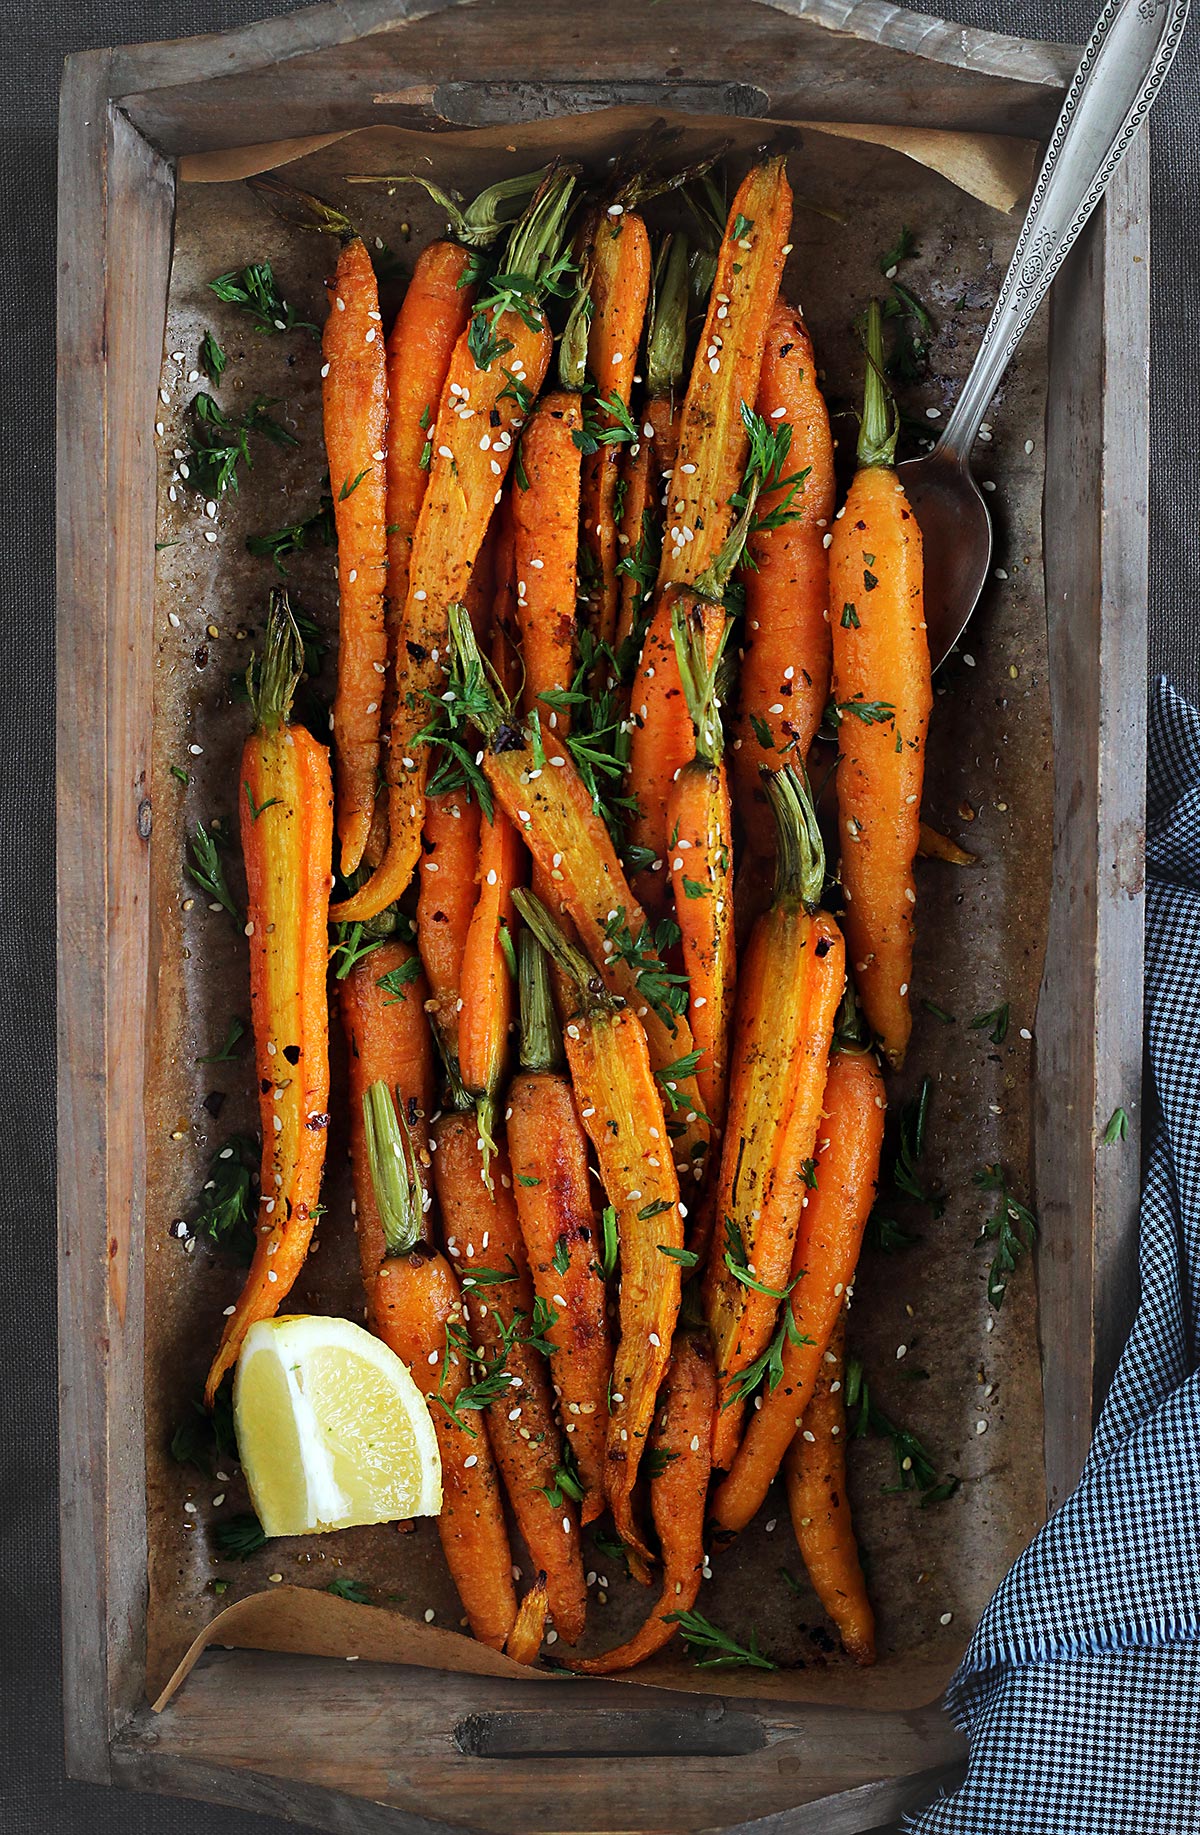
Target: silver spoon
{"points": [[1120, 74]]}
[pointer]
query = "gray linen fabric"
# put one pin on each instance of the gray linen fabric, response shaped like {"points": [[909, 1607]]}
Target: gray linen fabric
{"points": [[35, 1799]]}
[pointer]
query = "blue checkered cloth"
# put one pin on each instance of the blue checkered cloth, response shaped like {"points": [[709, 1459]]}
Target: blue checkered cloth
{"points": [[1080, 1691]]}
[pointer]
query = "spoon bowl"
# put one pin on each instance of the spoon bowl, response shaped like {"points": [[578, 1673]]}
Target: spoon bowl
{"points": [[956, 532]]}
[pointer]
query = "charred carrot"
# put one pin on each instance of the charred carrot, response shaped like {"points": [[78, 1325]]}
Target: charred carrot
{"points": [[483, 1235], [619, 284], [792, 978], [653, 452], [471, 449], [712, 437], [881, 685], [823, 1264], [620, 1105], [545, 509], [355, 407], [445, 904], [287, 838], [783, 684], [680, 1457], [662, 740], [525, 1638], [387, 1041], [542, 792], [815, 1474], [416, 1308], [548, 1150], [700, 862]]}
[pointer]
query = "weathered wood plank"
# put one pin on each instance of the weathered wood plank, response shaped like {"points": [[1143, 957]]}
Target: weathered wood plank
{"points": [[814, 59], [115, 228], [1089, 1031], [408, 1739]]}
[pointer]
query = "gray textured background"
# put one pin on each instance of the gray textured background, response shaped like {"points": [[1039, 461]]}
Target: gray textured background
{"points": [[35, 1798]]}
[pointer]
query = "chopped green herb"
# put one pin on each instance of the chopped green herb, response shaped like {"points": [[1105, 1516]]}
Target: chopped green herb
{"points": [[915, 1470], [660, 987], [293, 537], [353, 1590], [739, 1266], [741, 227], [239, 1537], [608, 1220], [1012, 1227], [227, 1052], [399, 978], [687, 1258], [181, 776], [256, 809], [997, 1020], [850, 618], [206, 870], [1117, 1129], [655, 1209], [252, 290], [693, 889], [212, 358], [350, 485], [905, 246], [714, 1648], [524, 1178], [224, 1210], [939, 1013], [560, 1261]]}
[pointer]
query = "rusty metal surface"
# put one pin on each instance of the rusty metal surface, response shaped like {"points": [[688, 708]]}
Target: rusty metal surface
{"points": [[971, 1392]]}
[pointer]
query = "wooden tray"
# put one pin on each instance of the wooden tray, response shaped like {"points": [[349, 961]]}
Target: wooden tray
{"points": [[368, 1748]]}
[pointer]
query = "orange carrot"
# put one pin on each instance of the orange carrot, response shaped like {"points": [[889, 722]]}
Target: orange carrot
{"points": [[355, 404], [388, 1041], [484, 1237], [815, 1473], [416, 1308], [881, 683], [712, 438], [546, 527], [287, 839], [542, 792], [548, 1150], [823, 1264], [619, 283], [446, 903], [678, 1488], [783, 684], [433, 316], [700, 861], [620, 1105], [488, 971], [525, 1638], [470, 450], [791, 982]]}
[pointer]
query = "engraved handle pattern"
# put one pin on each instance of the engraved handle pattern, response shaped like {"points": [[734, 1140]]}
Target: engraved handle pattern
{"points": [[1119, 76]]}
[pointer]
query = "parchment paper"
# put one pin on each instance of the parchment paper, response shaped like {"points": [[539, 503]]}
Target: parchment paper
{"points": [[921, 1321]]}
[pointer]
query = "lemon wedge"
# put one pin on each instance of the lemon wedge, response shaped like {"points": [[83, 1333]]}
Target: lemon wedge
{"points": [[331, 1429]]}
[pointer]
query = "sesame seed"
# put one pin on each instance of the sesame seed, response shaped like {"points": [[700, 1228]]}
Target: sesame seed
{"points": [[945, 1618], [981, 1427], [429, 1615], [470, 1460], [324, 369]]}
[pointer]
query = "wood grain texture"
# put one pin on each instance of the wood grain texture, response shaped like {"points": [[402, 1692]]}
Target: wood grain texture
{"points": [[112, 308], [398, 1752], [344, 65], [397, 1736], [1089, 1030]]}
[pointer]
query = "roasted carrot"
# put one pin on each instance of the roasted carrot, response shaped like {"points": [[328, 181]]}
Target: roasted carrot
{"points": [[881, 685], [640, 525], [525, 1638], [680, 1453], [823, 1264], [662, 740], [484, 1237], [548, 1150], [932, 845], [783, 684], [355, 408], [545, 511], [416, 1308], [700, 862], [488, 978], [388, 1041], [542, 792], [815, 1475], [467, 467], [445, 904], [712, 437], [791, 981], [287, 838], [619, 285], [620, 1105]]}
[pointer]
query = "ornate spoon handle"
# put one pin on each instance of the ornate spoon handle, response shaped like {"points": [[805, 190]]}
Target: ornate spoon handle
{"points": [[1120, 74]]}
